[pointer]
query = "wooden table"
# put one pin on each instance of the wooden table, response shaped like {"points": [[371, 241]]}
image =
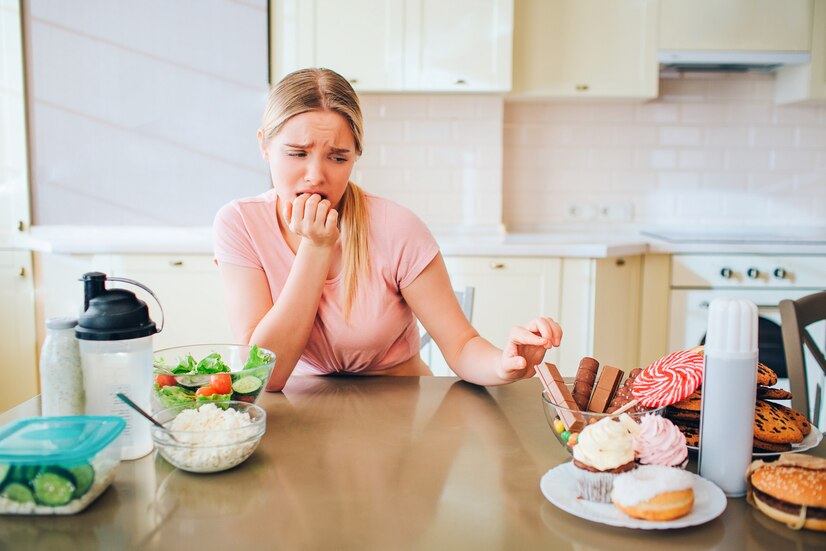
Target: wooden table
{"points": [[374, 463]]}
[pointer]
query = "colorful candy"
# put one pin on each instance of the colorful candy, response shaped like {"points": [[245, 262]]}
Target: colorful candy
{"points": [[565, 435], [669, 380], [558, 426], [572, 440]]}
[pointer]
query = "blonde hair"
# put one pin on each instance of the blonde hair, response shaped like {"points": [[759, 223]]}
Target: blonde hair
{"points": [[325, 90]]}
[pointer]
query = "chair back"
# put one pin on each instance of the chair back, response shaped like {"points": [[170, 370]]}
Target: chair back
{"points": [[465, 298], [795, 318]]}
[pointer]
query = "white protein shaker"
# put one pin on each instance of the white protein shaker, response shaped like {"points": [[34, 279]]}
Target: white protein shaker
{"points": [[115, 336]]}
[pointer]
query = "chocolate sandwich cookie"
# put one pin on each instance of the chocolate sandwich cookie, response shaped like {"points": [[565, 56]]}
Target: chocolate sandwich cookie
{"points": [[586, 374], [795, 416], [774, 426], [692, 402], [765, 375], [763, 446], [767, 393]]}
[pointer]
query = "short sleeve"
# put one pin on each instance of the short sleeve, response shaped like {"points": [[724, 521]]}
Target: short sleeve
{"points": [[414, 247], [231, 238]]}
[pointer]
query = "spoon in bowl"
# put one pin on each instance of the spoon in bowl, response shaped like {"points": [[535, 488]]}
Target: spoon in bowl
{"points": [[140, 410]]}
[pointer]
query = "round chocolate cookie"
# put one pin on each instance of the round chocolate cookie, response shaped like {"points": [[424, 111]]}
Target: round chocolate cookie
{"points": [[684, 416], [772, 425], [691, 433], [765, 375], [762, 446], [795, 416], [767, 393], [692, 402]]}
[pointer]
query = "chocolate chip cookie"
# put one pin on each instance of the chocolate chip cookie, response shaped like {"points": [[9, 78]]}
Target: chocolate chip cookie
{"points": [[773, 426]]}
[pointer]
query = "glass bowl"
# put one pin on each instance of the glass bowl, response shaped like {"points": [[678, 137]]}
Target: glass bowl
{"points": [[201, 449], [568, 439], [181, 375]]}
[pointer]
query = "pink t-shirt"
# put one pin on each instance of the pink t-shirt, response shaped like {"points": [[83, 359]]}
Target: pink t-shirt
{"points": [[382, 330]]}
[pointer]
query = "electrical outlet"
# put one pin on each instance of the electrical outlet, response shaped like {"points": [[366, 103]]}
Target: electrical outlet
{"points": [[582, 211], [615, 212]]}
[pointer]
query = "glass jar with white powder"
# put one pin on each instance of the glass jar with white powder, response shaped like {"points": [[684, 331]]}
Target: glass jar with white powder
{"points": [[61, 378]]}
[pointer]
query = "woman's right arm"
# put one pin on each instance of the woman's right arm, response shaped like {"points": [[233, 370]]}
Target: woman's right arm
{"points": [[284, 326]]}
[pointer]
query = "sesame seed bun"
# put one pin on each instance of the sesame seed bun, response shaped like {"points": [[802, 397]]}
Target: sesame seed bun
{"points": [[792, 492]]}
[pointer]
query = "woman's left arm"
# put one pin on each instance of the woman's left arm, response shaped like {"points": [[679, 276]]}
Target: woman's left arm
{"points": [[474, 359]]}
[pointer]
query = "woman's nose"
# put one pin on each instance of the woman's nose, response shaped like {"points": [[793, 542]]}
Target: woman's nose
{"points": [[314, 174]]}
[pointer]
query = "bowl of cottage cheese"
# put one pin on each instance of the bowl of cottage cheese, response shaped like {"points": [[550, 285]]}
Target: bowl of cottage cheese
{"points": [[210, 437]]}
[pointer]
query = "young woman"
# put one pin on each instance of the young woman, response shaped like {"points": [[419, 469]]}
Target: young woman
{"points": [[332, 279]]}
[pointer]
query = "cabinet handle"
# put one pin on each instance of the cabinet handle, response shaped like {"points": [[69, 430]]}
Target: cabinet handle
{"points": [[620, 262], [20, 225], [582, 87], [460, 81], [175, 263], [780, 273], [22, 272], [753, 273], [496, 265], [726, 273], [353, 80]]}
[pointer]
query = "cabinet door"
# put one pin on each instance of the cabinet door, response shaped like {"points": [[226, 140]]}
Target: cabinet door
{"points": [[507, 292], [17, 328], [458, 45], [360, 39], [735, 25], [585, 49], [807, 83], [188, 288]]}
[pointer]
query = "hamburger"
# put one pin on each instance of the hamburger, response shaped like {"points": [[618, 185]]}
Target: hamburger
{"points": [[791, 490]]}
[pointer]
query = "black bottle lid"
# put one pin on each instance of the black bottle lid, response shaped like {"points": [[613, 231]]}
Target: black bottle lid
{"points": [[111, 314]]}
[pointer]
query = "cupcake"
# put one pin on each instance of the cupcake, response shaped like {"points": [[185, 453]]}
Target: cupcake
{"points": [[604, 450], [660, 442], [654, 492]]}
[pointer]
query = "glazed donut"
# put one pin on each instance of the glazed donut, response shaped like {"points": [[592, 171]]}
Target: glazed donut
{"points": [[654, 492]]}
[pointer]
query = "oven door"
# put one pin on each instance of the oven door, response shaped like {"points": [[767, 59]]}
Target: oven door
{"points": [[689, 321]]}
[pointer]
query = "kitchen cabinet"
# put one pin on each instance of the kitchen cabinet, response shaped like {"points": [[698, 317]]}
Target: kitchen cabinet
{"points": [[188, 287], [807, 83], [758, 25], [17, 328], [597, 302], [585, 49], [397, 45]]}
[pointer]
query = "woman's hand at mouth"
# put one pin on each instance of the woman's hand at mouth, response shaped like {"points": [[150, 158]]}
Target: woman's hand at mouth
{"points": [[313, 218]]}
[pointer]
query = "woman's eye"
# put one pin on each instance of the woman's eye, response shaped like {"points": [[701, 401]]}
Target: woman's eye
{"points": [[340, 159], [296, 154]]}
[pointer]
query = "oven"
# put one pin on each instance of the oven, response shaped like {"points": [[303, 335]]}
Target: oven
{"points": [[696, 280]]}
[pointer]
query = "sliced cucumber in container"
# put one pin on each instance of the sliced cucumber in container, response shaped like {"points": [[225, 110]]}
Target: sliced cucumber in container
{"points": [[5, 470], [84, 478], [18, 492], [53, 486], [247, 385]]}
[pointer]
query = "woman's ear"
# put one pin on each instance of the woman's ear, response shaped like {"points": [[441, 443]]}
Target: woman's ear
{"points": [[262, 146]]}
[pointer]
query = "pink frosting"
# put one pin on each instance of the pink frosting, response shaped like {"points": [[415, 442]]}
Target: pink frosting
{"points": [[659, 442]]}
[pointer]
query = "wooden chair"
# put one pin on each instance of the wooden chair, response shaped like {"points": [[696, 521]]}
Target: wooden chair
{"points": [[795, 318], [465, 298]]}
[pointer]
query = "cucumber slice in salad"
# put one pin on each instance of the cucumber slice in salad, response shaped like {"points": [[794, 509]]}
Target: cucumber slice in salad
{"points": [[4, 473], [84, 478], [18, 492], [247, 384], [53, 486]]}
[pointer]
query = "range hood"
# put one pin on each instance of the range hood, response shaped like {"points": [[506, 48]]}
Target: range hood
{"points": [[729, 61]]}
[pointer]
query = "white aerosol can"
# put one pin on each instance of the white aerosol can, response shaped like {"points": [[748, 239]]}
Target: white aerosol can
{"points": [[729, 393]]}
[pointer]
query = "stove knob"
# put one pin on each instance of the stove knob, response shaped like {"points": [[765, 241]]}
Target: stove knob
{"points": [[726, 273], [780, 273], [753, 273]]}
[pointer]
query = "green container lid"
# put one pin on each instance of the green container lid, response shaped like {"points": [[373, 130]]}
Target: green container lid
{"points": [[53, 440]]}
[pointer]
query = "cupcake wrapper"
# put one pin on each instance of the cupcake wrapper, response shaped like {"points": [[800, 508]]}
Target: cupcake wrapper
{"points": [[595, 486]]}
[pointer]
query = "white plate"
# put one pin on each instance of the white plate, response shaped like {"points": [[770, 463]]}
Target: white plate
{"points": [[810, 441], [559, 487]]}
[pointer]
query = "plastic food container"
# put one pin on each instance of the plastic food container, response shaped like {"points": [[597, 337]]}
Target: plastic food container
{"points": [[56, 465]]}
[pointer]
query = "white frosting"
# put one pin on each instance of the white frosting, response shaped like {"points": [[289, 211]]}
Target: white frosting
{"points": [[647, 481], [607, 444]]}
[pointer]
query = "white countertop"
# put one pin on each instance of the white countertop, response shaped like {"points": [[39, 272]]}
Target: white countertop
{"points": [[568, 243]]}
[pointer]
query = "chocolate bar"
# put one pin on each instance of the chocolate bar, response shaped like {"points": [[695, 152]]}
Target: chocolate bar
{"points": [[586, 374], [561, 396], [607, 384]]}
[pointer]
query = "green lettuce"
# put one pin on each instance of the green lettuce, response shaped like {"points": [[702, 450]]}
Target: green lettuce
{"points": [[213, 398], [173, 395], [257, 358]]}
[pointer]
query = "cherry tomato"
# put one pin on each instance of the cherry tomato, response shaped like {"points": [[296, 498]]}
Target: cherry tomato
{"points": [[221, 383], [165, 380], [205, 391]]}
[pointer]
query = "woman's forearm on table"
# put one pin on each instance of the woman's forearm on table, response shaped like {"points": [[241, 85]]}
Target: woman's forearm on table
{"points": [[478, 362]]}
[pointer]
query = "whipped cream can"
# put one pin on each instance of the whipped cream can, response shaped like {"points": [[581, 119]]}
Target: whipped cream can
{"points": [[729, 393]]}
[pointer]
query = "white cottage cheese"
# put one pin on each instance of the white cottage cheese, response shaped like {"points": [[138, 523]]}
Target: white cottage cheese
{"points": [[210, 439]]}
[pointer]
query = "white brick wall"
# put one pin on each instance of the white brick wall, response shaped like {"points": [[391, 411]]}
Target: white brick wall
{"points": [[712, 149]]}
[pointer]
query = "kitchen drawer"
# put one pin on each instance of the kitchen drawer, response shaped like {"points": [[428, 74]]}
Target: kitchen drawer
{"points": [[735, 271], [123, 264]]}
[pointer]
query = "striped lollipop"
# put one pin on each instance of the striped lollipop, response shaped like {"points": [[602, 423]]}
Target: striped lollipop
{"points": [[669, 380]]}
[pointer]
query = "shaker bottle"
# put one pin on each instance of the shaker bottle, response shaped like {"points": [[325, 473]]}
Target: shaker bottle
{"points": [[729, 393], [115, 334], [61, 380]]}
